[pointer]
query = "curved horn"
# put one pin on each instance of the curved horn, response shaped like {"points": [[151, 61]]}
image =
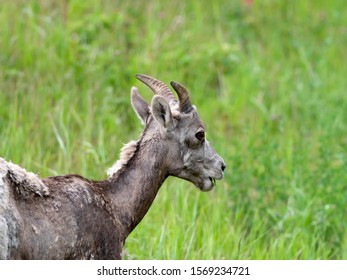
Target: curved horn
{"points": [[156, 86], [183, 96]]}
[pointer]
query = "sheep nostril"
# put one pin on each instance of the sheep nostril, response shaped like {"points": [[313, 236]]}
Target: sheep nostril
{"points": [[223, 166]]}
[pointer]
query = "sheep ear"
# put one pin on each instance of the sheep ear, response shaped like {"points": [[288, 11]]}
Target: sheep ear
{"points": [[161, 112], [140, 106]]}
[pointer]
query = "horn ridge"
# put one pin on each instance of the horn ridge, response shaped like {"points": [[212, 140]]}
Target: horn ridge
{"points": [[156, 86], [183, 96]]}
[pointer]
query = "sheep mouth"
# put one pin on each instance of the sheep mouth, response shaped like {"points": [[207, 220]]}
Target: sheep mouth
{"points": [[206, 184]]}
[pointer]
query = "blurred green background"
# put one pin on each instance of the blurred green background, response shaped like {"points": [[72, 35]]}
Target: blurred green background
{"points": [[268, 79]]}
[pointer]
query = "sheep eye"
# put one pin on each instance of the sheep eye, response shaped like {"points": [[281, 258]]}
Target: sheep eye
{"points": [[200, 135]]}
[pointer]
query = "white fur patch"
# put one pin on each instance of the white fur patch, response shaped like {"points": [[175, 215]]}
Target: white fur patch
{"points": [[126, 154], [3, 238], [174, 107]]}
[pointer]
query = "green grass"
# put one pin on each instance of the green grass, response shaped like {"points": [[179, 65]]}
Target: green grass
{"points": [[268, 80]]}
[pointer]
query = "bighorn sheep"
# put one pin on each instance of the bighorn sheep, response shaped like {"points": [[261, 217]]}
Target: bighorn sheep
{"points": [[70, 217]]}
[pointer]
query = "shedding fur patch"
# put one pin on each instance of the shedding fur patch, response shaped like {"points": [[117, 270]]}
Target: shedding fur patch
{"points": [[127, 152], [4, 240], [25, 183]]}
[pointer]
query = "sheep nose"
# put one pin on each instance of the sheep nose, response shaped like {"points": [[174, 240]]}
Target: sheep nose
{"points": [[223, 166]]}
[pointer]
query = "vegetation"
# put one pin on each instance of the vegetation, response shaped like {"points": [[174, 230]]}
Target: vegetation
{"points": [[268, 79]]}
